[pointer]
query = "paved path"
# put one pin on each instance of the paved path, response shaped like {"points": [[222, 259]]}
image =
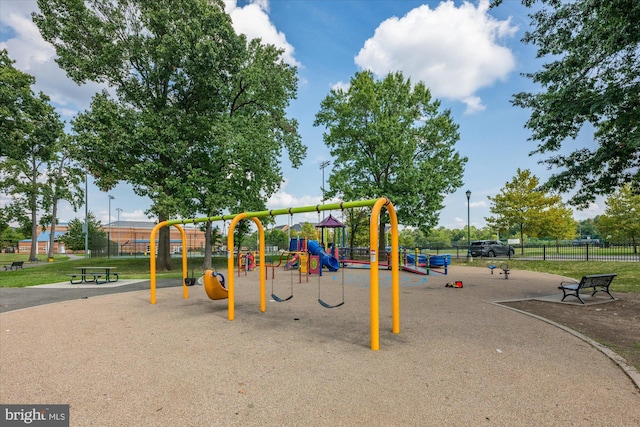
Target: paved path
{"points": [[459, 359]]}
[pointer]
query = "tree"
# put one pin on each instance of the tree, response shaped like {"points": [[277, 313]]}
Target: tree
{"points": [[589, 228], [558, 223], [198, 120], [308, 231], [521, 204], [277, 238], [406, 238], [74, 238], [440, 236], [357, 222], [63, 183], [621, 219], [15, 97], [31, 143], [592, 79], [389, 138]]}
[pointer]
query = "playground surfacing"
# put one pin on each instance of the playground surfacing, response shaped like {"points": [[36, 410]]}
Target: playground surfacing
{"points": [[458, 360]]}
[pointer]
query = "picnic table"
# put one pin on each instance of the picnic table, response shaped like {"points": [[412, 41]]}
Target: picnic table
{"points": [[95, 275]]}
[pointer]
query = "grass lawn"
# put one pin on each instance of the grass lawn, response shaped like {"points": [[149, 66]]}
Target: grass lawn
{"points": [[53, 272], [628, 279]]}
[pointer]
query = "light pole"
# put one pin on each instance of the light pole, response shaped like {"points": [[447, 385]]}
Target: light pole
{"points": [[86, 215], [109, 233], [322, 166], [469, 257], [119, 210]]}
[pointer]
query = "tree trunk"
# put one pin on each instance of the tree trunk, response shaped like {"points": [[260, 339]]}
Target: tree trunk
{"points": [[163, 260], [34, 230], [206, 262], [54, 212]]}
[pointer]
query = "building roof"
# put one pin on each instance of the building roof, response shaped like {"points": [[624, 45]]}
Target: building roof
{"points": [[131, 224], [44, 236], [330, 222]]}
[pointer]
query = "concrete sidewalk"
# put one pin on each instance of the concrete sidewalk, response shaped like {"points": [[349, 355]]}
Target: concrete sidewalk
{"points": [[459, 359]]}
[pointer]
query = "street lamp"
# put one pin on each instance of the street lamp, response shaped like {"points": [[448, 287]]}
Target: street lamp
{"points": [[119, 210], [109, 233], [469, 257], [86, 215], [322, 166]]}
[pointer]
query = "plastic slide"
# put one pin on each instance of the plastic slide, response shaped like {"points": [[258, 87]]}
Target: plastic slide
{"points": [[325, 259], [292, 262]]}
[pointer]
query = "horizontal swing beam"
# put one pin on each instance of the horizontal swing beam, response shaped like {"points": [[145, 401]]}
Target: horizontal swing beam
{"points": [[277, 212]]}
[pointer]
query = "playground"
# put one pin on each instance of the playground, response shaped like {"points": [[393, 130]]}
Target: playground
{"points": [[460, 359]]}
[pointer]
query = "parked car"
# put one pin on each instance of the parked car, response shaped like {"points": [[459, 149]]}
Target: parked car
{"points": [[491, 248], [582, 242]]}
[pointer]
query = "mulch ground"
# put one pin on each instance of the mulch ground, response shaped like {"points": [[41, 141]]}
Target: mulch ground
{"points": [[615, 324]]}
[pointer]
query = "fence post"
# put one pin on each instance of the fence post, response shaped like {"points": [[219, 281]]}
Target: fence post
{"points": [[587, 251], [544, 252]]}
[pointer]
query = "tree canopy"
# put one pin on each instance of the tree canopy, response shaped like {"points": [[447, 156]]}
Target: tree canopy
{"points": [[196, 120], [621, 219], [591, 81], [31, 137], [520, 203], [74, 238], [389, 138]]}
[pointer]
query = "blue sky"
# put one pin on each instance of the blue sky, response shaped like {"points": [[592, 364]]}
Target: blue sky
{"points": [[471, 58]]}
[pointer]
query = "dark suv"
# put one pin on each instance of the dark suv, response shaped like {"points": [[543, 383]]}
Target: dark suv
{"points": [[490, 248]]}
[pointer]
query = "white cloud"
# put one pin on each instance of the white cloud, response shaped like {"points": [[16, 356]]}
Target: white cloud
{"points": [[341, 85], [33, 55], [474, 104], [282, 199], [253, 21], [455, 51]]}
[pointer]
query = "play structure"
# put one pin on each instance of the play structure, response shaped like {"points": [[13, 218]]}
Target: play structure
{"points": [[376, 207], [325, 259], [425, 265]]}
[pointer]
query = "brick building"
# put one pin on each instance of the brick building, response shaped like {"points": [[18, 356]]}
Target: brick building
{"points": [[126, 237]]}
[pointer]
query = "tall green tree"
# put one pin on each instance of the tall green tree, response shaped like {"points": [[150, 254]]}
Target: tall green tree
{"points": [[74, 238], [63, 183], [521, 204], [30, 142], [16, 96], [591, 81], [197, 121], [357, 222], [277, 237], [558, 223], [390, 138], [621, 219]]}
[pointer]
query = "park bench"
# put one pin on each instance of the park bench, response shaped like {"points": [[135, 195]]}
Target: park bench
{"points": [[596, 282], [14, 265]]}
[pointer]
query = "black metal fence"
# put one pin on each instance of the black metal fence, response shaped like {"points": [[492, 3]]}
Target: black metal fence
{"points": [[560, 252]]}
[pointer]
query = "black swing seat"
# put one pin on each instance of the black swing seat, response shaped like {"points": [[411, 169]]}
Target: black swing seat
{"points": [[325, 305], [278, 299]]}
